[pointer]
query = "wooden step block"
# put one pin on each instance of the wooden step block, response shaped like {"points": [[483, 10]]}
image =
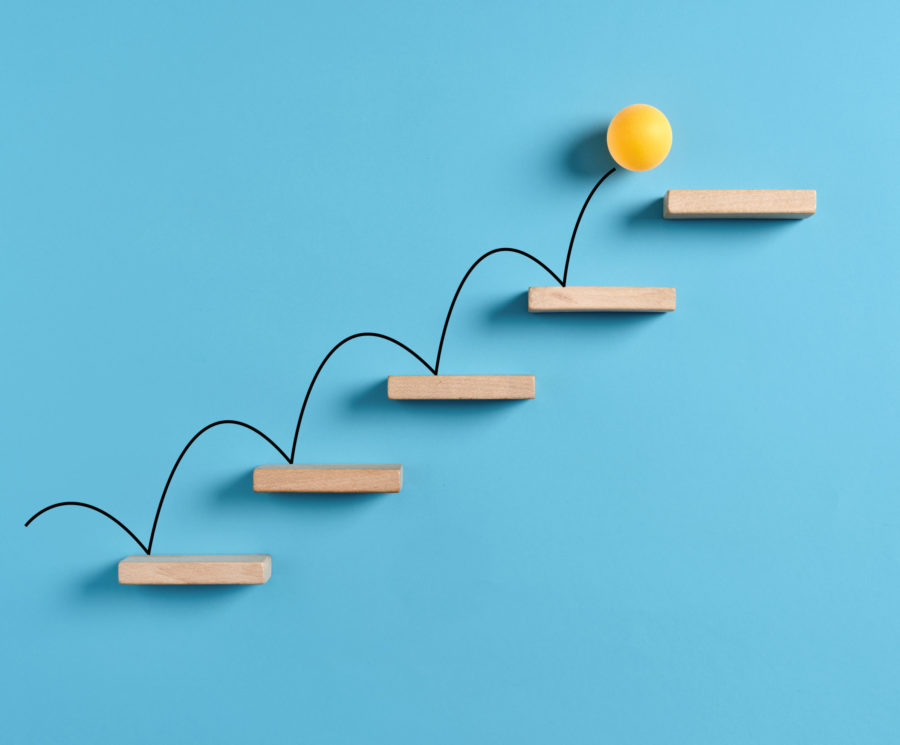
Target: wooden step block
{"points": [[593, 299], [763, 204], [345, 479], [242, 569], [458, 387]]}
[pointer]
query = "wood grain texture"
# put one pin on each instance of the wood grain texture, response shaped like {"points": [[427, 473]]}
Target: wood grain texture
{"points": [[558, 299], [345, 479], [240, 569], [761, 204], [460, 387]]}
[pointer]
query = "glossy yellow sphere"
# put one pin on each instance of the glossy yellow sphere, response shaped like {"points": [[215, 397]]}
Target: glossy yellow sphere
{"points": [[639, 137]]}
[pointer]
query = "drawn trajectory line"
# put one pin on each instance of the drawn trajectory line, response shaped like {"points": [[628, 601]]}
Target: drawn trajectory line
{"points": [[290, 458]]}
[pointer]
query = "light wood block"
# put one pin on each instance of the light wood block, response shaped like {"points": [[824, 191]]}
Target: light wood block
{"points": [[243, 569], [347, 479], [600, 299], [459, 387], [762, 204]]}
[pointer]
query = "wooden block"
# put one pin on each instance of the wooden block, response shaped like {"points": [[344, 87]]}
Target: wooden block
{"points": [[593, 299], [242, 569], [762, 204], [336, 479], [457, 387]]}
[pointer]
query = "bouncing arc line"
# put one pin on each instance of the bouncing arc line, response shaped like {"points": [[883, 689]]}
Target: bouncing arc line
{"points": [[639, 138]]}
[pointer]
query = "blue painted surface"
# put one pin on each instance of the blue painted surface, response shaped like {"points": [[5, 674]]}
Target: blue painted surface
{"points": [[691, 535]]}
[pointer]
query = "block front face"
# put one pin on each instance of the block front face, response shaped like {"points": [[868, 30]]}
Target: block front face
{"points": [[764, 204], [460, 387], [601, 299], [346, 479], [240, 569]]}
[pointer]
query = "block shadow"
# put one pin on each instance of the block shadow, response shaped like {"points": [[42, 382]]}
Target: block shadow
{"points": [[237, 493], [513, 315], [375, 396], [102, 586], [648, 218]]}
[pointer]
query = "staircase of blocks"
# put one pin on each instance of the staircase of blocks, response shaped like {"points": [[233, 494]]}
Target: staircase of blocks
{"points": [[291, 477]]}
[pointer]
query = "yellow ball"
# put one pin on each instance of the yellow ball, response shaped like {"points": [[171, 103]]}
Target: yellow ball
{"points": [[639, 137]]}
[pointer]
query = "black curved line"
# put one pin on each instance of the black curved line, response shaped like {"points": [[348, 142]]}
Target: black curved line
{"points": [[290, 459], [149, 547], [322, 364], [437, 362], [578, 222], [90, 507], [188, 447]]}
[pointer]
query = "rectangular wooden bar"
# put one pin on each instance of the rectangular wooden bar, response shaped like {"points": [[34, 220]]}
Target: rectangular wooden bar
{"points": [[599, 299], [346, 479], [242, 569], [459, 387], [760, 204]]}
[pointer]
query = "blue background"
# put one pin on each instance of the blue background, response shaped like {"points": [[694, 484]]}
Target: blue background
{"points": [[691, 535]]}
